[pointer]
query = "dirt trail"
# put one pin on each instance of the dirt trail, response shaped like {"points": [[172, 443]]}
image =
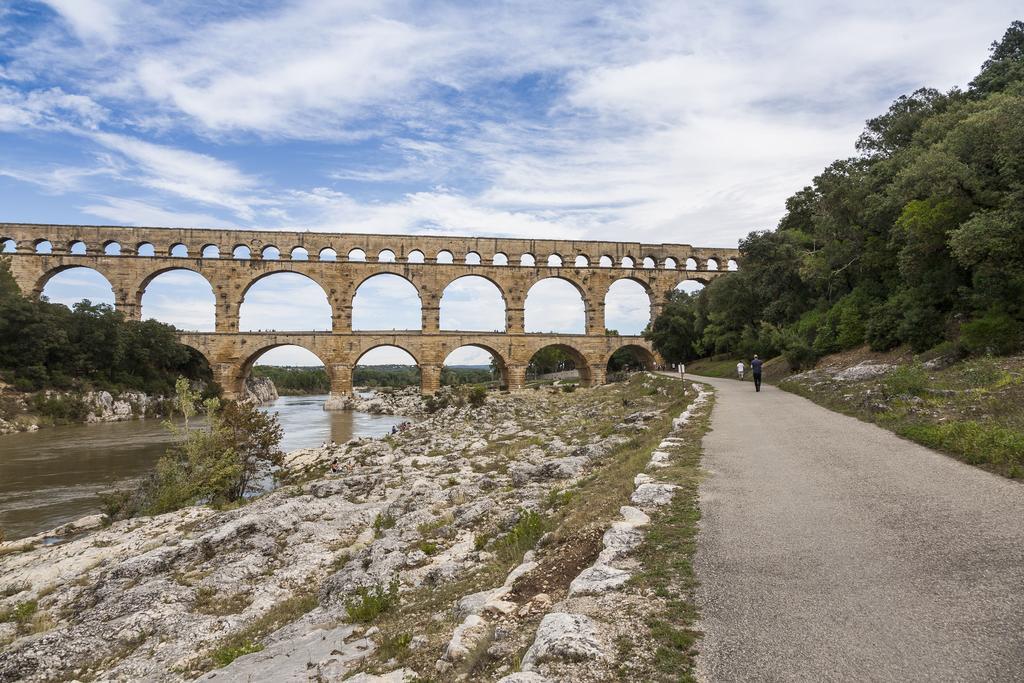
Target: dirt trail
{"points": [[831, 549]]}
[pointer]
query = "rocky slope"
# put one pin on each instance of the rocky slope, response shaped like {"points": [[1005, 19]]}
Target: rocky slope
{"points": [[301, 583]]}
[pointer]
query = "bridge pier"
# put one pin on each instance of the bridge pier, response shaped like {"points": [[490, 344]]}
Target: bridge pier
{"points": [[430, 378], [516, 377]]}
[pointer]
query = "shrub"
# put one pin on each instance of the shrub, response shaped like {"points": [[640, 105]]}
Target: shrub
{"points": [[994, 332], [371, 601], [477, 396], [480, 541], [60, 409], [395, 646], [568, 388], [907, 380], [428, 547], [882, 327], [23, 612], [383, 521], [522, 537]]}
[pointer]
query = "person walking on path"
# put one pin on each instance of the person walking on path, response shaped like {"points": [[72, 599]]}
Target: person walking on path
{"points": [[740, 368], [755, 368], [682, 370]]}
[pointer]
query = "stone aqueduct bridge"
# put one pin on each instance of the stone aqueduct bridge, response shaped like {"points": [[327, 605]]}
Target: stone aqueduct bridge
{"points": [[233, 260]]}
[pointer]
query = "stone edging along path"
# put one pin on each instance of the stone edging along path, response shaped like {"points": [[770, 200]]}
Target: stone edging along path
{"points": [[569, 636]]}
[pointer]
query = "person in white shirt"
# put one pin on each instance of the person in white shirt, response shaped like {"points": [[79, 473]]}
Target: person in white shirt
{"points": [[682, 370], [739, 370]]}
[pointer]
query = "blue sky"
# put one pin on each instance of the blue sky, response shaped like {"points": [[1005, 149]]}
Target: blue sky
{"points": [[657, 121]]}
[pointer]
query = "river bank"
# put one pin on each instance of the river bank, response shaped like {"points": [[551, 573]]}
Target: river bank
{"points": [[30, 411], [400, 562], [52, 476]]}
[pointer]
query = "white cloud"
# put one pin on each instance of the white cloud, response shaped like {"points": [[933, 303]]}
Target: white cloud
{"points": [[90, 19], [189, 175], [121, 211], [52, 109]]}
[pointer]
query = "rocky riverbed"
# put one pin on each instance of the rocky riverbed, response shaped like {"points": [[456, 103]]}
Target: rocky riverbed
{"points": [[478, 542]]}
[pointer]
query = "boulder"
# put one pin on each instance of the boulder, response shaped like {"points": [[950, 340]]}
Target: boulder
{"points": [[564, 637], [598, 579], [653, 495]]}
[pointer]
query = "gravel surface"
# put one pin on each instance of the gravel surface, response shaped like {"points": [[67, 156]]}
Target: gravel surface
{"points": [[831, 549]]}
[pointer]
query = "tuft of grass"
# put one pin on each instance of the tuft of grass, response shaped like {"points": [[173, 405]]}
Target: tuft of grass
{"points": [[383, 521], [907, 380], [394, 646], [226, 654], [21, 614], [247, 640], [428, 547], [977, 443], [372, 601], [522, 537], [208, 602]]}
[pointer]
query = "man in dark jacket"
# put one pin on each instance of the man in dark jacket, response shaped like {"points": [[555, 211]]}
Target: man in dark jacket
{"points": [[755, 368]]}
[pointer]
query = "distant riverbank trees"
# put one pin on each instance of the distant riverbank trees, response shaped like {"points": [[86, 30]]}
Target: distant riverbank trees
{"points": [[303, 381], [92, 346], [918, 240]]}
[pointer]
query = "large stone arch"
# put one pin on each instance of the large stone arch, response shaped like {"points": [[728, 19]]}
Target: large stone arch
{"points": [[471, 278], [447, 348], [41, 281], [244, 368], [423, 302], [588, 312], [648, 291], [148, 279], [237, 305], [646, 356], [583, 364]]}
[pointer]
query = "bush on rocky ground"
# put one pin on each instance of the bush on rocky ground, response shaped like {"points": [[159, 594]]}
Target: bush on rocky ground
{"points": [[214, 463]]}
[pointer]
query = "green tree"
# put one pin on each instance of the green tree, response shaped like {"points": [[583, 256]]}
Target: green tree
{"points": [[673, 333]]}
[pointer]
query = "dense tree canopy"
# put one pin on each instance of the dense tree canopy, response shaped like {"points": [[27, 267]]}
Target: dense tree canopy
{"points": [[46, 345], [916, 241]]}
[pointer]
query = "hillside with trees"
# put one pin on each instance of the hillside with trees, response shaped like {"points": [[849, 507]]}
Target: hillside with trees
{"points": [[916, 241]]}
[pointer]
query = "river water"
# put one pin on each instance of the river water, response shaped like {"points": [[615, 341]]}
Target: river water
{"points": [[51, 477]]}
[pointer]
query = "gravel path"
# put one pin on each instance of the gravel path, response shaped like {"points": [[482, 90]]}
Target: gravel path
{"points": [[831, 549]]}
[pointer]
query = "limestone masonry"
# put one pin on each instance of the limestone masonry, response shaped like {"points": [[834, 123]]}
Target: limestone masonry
{"points": [[233, 260]]}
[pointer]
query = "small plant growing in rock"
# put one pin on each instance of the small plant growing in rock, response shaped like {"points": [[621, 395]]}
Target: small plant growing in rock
{"points": [[372, 601], [225, 655], [395, 646], [428, 547], [21, 614], [480, 541], [383, 521], [523, 536]]}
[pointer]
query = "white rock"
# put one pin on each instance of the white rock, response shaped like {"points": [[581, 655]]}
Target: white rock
{"points": [[565, 637], [619, 541], [642, 479], [524, 677], [653, 495], [464, 637], [634, 516], [597, 580], [398, 676]]}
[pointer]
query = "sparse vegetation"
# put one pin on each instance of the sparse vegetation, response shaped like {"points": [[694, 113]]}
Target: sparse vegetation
{"points": [[972, 409], [370, 602]]}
